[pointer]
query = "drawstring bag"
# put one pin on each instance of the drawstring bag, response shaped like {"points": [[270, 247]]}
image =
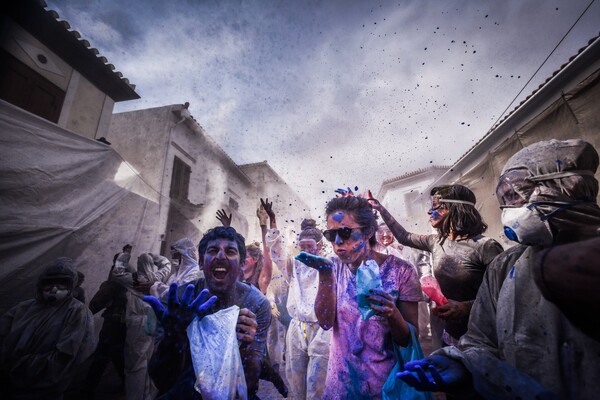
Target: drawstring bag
{"points": [[395, 388], [367, 279], [216, 356]]}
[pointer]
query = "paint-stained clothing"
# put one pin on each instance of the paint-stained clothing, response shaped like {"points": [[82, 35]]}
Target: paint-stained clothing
{"points": [[517, 337], [171, 364], [458, 265], [307, 344], [362, 355]]}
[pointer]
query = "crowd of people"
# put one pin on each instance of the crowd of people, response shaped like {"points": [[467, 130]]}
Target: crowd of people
{"points": [[218, 318]]}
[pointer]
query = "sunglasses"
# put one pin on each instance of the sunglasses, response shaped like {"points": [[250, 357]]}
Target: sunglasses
{"points": [[343, 233]]}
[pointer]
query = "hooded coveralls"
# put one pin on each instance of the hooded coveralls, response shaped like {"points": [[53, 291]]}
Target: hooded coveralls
{"points": [[42, 344]]}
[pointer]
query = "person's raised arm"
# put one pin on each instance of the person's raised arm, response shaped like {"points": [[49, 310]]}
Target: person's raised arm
{"points": [[325, 303], [278, 251], [267, 270], [400, 233]]}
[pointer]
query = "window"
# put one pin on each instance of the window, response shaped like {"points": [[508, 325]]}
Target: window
{"points": [[180, 180], [25, 88], [234, 205]]}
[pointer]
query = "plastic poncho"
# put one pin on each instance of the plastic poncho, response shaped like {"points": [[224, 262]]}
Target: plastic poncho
{"points": [[187, 272], [518, 343], [41, 344]]}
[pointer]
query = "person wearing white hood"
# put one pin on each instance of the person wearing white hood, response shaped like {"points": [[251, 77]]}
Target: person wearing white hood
{"points": [[138, 321], [184, 256], [519, 343]]}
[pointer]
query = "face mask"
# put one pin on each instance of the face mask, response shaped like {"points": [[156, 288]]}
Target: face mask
{"points": [[55, 296], [525, 225]]}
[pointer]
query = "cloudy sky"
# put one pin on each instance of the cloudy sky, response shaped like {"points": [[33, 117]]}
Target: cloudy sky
{"points": [[335, 93]]}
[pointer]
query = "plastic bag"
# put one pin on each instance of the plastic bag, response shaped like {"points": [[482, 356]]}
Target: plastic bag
{"points": [[216, 356], [395, 388], [431, 288], [367, 278]]}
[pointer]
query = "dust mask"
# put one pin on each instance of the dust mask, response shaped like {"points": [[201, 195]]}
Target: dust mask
{"points": [[54, 296], [526, 225]]}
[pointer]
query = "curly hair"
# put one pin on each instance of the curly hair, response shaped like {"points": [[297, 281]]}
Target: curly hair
{"points": [[223, 232], [361, 211], [463, 219]]}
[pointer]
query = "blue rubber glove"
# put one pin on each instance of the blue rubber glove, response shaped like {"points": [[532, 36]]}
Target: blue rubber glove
{"points": [[179, 313], [435, 374], [316, 262]]}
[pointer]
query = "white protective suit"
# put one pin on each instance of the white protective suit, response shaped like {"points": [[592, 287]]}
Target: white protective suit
{"points": [[188, 271], [519, 344], [307, 344]]}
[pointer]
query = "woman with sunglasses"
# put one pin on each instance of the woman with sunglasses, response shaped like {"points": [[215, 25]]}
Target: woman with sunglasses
{"points": [[460, 253], [361, 354]]}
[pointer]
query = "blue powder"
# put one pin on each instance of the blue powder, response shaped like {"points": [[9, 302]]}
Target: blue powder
{"points": [[338, 216], [512, 272]]}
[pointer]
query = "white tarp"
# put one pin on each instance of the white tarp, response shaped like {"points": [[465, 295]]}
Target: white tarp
{"points": [[65, 195]]}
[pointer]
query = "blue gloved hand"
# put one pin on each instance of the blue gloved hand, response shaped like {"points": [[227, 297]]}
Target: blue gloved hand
{"points": [[435, 374], [178, 314], [316, 262]]}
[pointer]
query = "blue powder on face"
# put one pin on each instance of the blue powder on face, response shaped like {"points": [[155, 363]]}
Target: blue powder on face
{"points": [[435, 215], [338, 216]]}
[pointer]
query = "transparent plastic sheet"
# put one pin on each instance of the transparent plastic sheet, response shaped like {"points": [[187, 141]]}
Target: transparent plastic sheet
{"points": [[216, 356], [62, 194]]}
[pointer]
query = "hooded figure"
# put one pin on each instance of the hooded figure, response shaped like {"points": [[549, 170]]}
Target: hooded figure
{"points": [[519, 344], [44, 340], [139, 321], [188, 270], [554, 191]]}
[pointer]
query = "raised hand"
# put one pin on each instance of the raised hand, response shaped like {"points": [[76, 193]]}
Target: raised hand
{"points": [[224, 218], [321, 264], [178, 314], [373, 201], [436, 374], [268, 207], [246, 326], [262, 215], [345, 192]]}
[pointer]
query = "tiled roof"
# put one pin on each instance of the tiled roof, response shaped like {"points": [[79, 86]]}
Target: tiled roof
{"points": [[46, 26], [413, 173]]}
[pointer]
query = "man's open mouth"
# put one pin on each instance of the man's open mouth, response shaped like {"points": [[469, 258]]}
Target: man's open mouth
{"points": [[220, 272]]}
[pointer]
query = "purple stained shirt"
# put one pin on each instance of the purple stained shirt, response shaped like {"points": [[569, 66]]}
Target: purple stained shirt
{"points": [[361, 354]]}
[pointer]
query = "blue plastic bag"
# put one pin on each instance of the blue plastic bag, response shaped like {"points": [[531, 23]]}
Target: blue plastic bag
{"points": [[367, 279], [395, 388]]}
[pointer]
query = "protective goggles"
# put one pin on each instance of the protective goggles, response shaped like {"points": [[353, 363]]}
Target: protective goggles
{"points": [[344, 233]]}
